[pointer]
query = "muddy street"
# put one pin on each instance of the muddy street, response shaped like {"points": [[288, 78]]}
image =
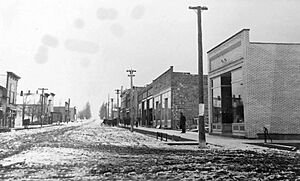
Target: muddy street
{"points": [[89, 151]]}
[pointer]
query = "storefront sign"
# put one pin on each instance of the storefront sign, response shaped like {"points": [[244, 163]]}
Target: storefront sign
{"points": [[201, 109]]}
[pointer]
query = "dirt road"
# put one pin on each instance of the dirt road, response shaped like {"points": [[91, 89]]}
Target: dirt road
{"points": [[89, 151]]}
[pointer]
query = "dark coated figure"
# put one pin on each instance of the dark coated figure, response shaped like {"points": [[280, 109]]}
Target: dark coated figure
{"points": [[182, 122]]}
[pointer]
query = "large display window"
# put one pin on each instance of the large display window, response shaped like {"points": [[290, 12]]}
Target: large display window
{"points": [[227, 97], [217, 108], [237, 96]]}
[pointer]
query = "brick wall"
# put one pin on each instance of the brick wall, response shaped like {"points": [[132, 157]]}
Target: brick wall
{"points": [[184, 92], [163, 82], [160, 85], [272, 88], [185, 96]]}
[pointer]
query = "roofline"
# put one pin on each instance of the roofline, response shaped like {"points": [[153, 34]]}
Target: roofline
{"points": [[1, 87], [18, 77], [171, 68], [276, 43], [188, 73], [245, 29]]}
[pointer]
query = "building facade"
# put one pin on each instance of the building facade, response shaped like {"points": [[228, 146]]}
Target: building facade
{"points": [[3, 103], [254, 85], [125, 105], [11, 106], [161, 102], [145, 106], [127, 112], [61, 114]]}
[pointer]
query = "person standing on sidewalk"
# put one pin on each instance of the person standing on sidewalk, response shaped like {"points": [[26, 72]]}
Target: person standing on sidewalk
{"points": [[182, 122]]}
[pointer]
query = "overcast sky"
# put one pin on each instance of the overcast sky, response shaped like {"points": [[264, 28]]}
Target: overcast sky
{"points": [[81, 49]]}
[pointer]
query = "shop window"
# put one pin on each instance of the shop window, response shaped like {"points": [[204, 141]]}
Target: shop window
{"points": [[157, 110], [217, 109], [237, 98], [222, 102], [166, 109], [238, 109]]}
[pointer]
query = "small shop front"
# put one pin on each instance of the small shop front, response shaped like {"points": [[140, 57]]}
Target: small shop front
{"points": [[162, 108], [227, 103], [226, 86]]}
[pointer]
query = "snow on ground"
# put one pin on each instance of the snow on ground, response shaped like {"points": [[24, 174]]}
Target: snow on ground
{"points": [[89, 151]]}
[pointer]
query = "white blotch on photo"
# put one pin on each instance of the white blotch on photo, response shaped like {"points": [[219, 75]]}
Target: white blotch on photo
{"points": [[78, 23], [138, 12], [50, 41], [81, 46], [107, 14], [85, 62], [41, 56], [117, 30]]}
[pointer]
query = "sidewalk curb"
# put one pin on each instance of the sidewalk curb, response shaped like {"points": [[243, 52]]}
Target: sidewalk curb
{"points": [[35, 127], [275, 146], [189, 143], [177, 140]]}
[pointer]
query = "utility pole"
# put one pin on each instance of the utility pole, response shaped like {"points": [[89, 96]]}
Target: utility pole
{"points": [[24, 106], [42, 104], [68, 113], [131, 75], [201, 130], [118, 92], [108, 108], [112, 108]]}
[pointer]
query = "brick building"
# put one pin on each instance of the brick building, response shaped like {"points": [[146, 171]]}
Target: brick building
{"points": [[61, 114], [3, 102], [161, 102], [126, 104], [254, 85], [145, 106], [11, 106]]}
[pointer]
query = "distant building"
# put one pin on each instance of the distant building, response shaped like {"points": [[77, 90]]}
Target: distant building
{"points": [[11, 108], [50, 107], [3, 103], [126, 104], [32, 105], [145, 106], [254, 85], [61, 114], [161, 102]]}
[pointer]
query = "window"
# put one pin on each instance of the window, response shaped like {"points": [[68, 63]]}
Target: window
{"points": [[237, 96], [166, 109], [157, 110], [216, 99]]}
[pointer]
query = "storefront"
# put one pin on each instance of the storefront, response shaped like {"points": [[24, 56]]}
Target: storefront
{"points": [[254, 85], [227, 103], [161, 102], [145, 106], [162, 108]]}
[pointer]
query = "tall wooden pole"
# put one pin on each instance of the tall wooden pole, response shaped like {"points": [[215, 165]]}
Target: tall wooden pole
{"points": [[112, 108], [108, 108], [201, 130], [131, 75], [118, 108], [42, 104]]}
